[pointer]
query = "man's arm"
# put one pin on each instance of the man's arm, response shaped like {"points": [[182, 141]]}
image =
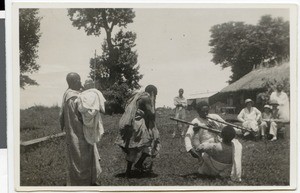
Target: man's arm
{"points": [[188, 138], [209, 148], [177, 103], [188, 141], [184, 103], [62, 119], [61, 116], [240, 117], [285, 99], [216, 124], [150, 107], [258, 115]]}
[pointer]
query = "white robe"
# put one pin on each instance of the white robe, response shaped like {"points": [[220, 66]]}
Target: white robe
{"points": [[284, 104], [82, 157], [210, 166], [90, 104]]}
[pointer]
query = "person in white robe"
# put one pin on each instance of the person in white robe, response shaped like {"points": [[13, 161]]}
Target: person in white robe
{"points": [[194, 137], [138, 134], [180, 112], [250, 117], [283, 100], [217, 157], [83, 167]]}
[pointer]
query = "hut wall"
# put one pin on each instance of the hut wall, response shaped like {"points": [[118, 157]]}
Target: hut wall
{"points": [[234, 99]]}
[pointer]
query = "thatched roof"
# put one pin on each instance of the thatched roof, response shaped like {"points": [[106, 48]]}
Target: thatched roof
{"points": [[200, 95], [257, 77]]}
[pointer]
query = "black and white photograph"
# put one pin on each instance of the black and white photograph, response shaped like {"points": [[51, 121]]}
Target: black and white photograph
{"points": [[156, 97]]}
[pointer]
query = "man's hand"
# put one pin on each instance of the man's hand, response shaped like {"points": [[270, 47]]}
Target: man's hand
{"points": [[258, 121], [194, 153], [212, 124], [196, 128]]}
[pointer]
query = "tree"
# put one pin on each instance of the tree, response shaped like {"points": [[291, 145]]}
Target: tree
{"points": [[116, 69], [93, 20], [242, 46], [29, 35]]}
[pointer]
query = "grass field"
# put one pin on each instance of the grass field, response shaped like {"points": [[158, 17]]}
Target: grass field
{"points": [[264, 162]]}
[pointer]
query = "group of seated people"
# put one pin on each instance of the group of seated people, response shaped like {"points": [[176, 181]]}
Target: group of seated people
{"points": [[265, 124]]}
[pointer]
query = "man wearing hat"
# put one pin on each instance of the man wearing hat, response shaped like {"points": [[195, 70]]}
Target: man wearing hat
{"points": [[249, 116], [275, 122]]}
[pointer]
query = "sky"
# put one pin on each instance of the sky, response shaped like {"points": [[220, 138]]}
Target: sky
{"points": [[172, 47]]}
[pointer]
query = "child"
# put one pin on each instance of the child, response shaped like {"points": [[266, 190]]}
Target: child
{"points": [[266, 120]]}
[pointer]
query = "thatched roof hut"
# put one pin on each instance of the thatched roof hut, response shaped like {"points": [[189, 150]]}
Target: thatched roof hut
{"points": [[257, 77], [251, 84]]}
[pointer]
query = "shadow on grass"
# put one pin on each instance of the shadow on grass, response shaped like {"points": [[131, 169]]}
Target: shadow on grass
{"points": [[137, 174], [202, 176]]}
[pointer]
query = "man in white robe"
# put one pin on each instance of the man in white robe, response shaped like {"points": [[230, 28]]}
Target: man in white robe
{"points": [[283, 100], [194, 137], [215, 156], [82, 159]]}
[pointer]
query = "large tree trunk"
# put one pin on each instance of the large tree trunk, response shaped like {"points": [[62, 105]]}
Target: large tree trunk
{"points": [[108, 32]]}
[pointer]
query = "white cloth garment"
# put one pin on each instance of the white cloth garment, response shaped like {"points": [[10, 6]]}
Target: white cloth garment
{"points": [[180, 110], [284, 104], [236, 171], [193, 138], [90, 104], [210, 166], [250, 118]]}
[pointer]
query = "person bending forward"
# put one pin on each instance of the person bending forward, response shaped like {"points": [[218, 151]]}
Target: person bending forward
{"points": [[138, 132]]}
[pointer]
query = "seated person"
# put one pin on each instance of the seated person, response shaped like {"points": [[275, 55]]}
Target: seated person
{"points": [[199, 136], [266, 120], [220, 158], [249, 116], [276, 121]]}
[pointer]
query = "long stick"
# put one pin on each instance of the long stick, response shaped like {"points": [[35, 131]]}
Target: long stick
{"points": [[230, 124], [202, 127]]}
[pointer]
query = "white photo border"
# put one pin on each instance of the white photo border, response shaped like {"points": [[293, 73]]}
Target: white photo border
{"points": [[13, 90]]}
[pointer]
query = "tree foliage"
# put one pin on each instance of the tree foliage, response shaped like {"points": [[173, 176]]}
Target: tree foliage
{"points": [[29, 34], [242, 46], [271, 84], [94, 20], [116, 69]]}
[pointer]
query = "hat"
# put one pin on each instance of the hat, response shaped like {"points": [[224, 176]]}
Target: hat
{"points": [[273, 102], [268, 106], [201, 104], [248, 100]]}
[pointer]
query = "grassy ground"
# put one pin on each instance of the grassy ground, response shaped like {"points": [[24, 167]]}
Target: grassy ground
{"points": [[264, 162]]}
